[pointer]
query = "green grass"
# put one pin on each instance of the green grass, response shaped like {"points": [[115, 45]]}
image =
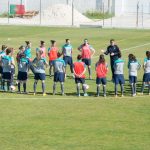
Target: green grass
{"points": [[98, 15], [30, 122]]}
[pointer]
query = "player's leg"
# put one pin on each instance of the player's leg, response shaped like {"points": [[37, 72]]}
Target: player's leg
{"points": [[98, 86], [43, 87], [35, 85]]}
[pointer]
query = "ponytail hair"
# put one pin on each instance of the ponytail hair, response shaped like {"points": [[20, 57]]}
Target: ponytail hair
{"points": [[101, 59], [132, 57]]}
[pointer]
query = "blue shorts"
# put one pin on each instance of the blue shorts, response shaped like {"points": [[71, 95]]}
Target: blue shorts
{"points": [[51, 62], [87, 61], [101, 81], [146, 77], [132, 79], [119, 79], [68, 60], [79, 80], [59, 77], [39, 76], [1, 70], [6, 76], [22, 76]]}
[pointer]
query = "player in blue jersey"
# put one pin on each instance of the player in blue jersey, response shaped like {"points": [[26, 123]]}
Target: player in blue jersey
{"points": [[119, 75], [39, 64], [146, 76], [23, 68], [67, 55], [6, 62], [133, 66], [59, 73]]}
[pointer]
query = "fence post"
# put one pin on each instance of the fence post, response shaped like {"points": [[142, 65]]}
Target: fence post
{"points": [[40, 12], [103, 15], [72, 12], [142, 17], [137, 15], [8, 10]]}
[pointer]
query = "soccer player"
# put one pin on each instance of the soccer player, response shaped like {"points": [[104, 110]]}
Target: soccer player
{"points": [[42, 48], [52, 54], [27, 53], [27, 50], [6, 62], [19, 54], [59, 73], [133, 66], [146, 76], [118, 75], [67, 55], [23, 68], [2, 53], [113, 50], [12, 68], [87, 51], [79, 69], [101, 68], [39, 64]]}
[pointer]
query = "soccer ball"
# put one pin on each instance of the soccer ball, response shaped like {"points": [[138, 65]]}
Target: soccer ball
{"points": [[13, 88], [86, 86]]}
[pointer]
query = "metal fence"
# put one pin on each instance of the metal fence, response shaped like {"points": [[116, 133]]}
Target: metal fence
{"points": [[113, 13]]}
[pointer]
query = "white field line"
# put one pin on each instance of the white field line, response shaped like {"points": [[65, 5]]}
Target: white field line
{"points": [[75, 98], [130, 48]]}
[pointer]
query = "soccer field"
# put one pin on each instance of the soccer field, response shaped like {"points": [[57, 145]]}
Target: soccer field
{"points": [[29, 122]]}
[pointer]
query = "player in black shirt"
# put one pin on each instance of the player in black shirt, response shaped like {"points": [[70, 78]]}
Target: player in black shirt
{"points": [[113, 51]]}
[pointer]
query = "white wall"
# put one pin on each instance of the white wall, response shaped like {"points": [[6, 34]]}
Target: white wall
{"points": [[130, 6], [81, 5]]}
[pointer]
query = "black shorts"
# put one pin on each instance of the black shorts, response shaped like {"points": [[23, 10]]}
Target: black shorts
{"points": [[87, 61], [59, 77], [132, 79], [101, 81], [22, 76], [1, 70], [39, 76], [146, 77], [68, 60], [6, 76], [80, 80]]}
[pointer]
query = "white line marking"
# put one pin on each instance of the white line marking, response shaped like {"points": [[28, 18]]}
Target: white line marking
{"points": [[130, 48]]}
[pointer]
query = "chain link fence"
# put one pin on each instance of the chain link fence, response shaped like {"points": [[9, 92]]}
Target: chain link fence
{"points": [[91, 13]]}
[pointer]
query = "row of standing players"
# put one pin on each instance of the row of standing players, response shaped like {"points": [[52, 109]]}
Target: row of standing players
{"points": [[78, 68]]}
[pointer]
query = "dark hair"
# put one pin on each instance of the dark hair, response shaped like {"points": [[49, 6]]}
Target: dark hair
{"points": [[8, 51], [67, 40], [148, 54], [131, 57], [53, 41], [112, 40], [58, 54], [4, 47], [101, 59], [79, 57], [42, 42], [21, 47], [27, 42]]}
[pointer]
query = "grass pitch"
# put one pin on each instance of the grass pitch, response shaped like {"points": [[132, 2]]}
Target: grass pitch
{"points": [[30, 122]]}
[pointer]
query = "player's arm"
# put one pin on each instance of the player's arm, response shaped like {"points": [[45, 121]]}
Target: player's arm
{"points": [[80, 48], [82, 72], [93, 51], [106, 52]]}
